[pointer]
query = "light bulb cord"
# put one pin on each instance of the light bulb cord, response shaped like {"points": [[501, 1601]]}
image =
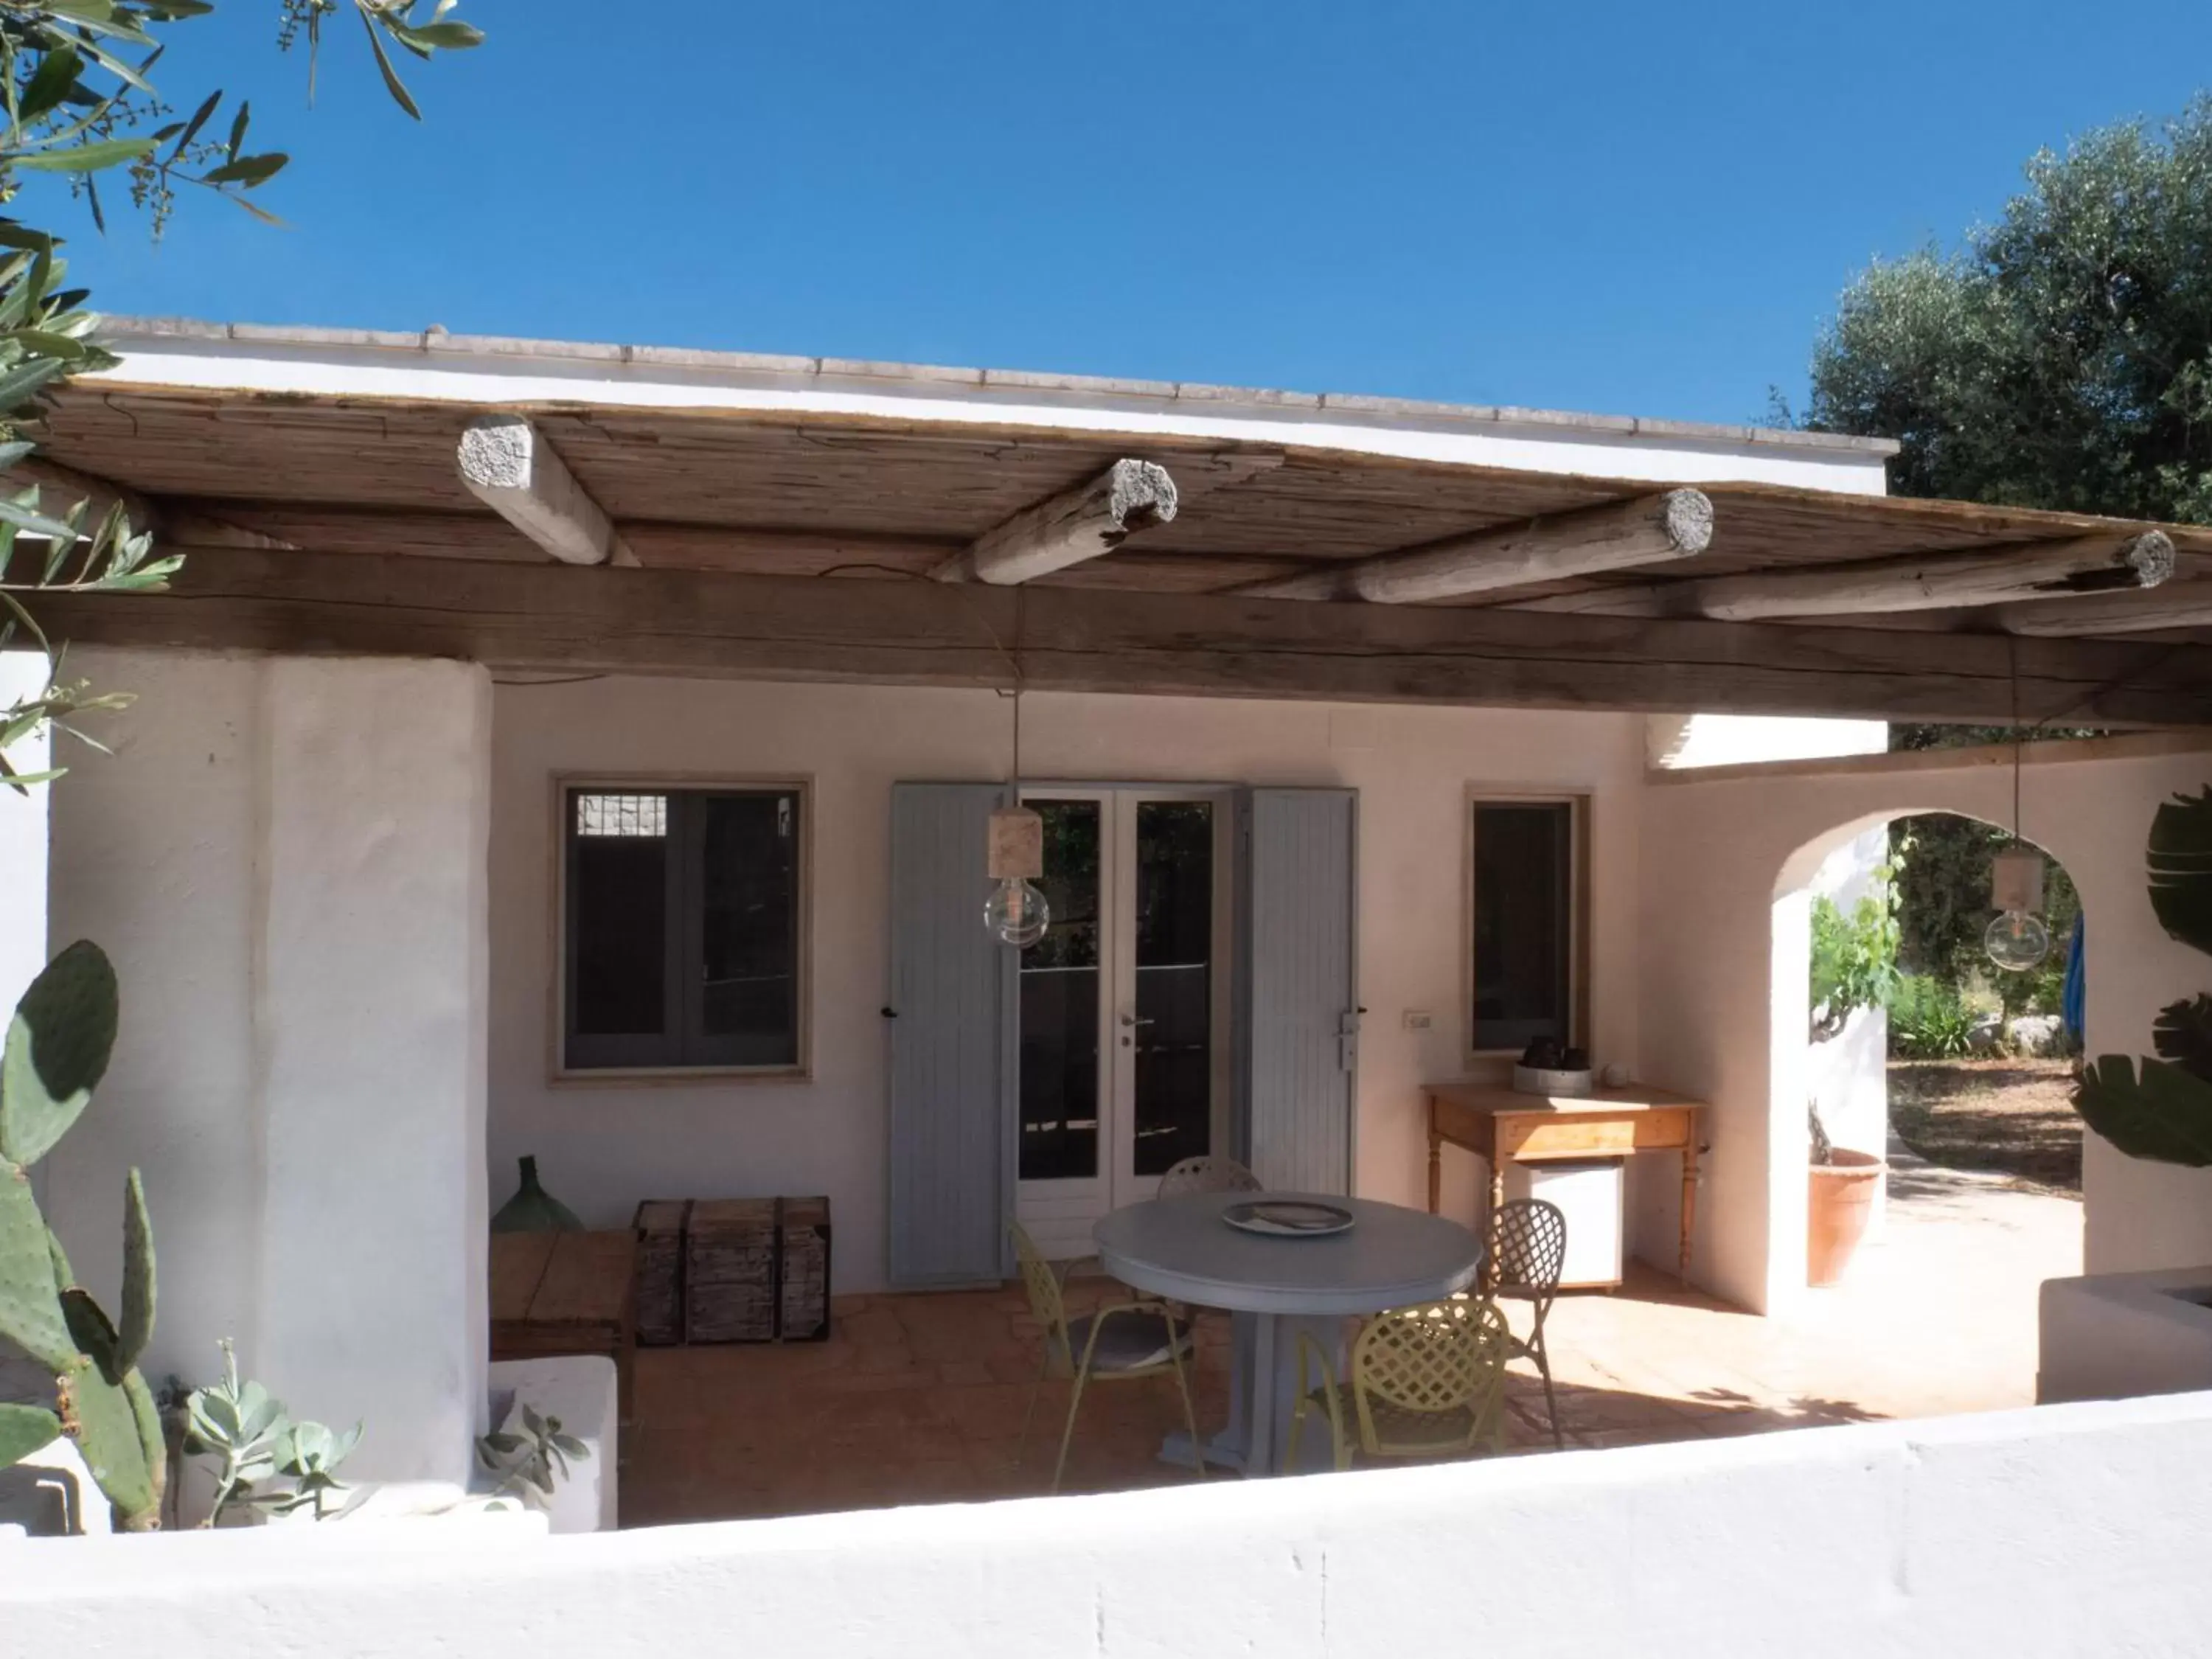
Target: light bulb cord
{"points": [[2019, 736], [1014, 662]]}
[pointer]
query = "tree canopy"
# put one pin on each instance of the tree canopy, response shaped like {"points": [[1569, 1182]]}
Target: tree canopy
{"points": [[77, 105], [2061, 357]]}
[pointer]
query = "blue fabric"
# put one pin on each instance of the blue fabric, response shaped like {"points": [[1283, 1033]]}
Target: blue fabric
{"points": [[2073, 1005]]}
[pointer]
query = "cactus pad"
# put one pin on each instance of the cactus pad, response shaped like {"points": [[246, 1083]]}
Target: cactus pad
{"points": [[137, 1273], [56, 1051], [93, 1332], [24, 1430], [30, 1312], [101, 1419]]}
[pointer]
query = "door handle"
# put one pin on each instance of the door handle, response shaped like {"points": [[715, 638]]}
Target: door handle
{"points": [[1132, 1021]]}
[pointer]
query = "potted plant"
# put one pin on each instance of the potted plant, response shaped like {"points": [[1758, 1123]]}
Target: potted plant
{"points": [[1837, 1205], [1854, 966]]}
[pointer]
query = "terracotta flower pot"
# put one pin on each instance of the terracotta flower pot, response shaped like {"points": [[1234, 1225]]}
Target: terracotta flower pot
{"points": [[1841, 1200]]}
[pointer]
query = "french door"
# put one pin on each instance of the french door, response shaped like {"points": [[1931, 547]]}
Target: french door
{"points": [[1123, 1008]]}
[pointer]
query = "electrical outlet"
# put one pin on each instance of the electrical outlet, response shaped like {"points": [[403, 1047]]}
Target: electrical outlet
{"points": [[1419, 1019]]}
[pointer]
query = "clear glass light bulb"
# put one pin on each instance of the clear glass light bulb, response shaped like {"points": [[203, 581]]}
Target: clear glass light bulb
{"points": [[1016, 913], [2017, 941]]}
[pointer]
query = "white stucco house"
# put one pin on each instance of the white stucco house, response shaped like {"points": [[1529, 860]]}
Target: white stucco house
{"points": [[587, 751]]}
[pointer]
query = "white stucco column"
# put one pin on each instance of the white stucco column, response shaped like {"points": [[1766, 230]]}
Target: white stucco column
{"points": [[370, 1020], [23, 837], [286, 860], [23, 847]]}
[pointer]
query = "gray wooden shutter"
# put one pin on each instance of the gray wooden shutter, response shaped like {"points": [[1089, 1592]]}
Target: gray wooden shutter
{"points": [[950, 1147], [1299, 998]]}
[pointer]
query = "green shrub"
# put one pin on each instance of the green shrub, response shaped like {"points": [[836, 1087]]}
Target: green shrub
{"points": [[1928, 1019], [1854, 959]]}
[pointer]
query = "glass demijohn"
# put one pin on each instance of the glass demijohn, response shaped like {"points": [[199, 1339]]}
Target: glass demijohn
{"points": [[1016, 913]]}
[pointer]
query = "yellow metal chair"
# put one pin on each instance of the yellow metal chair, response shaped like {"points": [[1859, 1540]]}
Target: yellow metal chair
{"points": [[1128, 1339], [1425, 1382]]}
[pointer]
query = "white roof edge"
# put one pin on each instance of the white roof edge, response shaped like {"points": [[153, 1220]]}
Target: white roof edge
{"points": [[121, 332]]}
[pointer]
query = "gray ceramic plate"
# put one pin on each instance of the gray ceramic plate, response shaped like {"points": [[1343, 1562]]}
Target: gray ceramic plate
{"points": [[1281, 1217]]}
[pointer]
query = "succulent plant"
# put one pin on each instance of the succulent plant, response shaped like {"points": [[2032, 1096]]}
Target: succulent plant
{"points": [[246, 1430], [56, 1053]]}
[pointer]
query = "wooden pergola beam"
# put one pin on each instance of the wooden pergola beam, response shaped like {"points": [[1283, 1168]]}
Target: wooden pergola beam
{"points": [[1674, 524], [1092, 519], [697, 624], [1942, 581], [508, 464], [61, 488], [2186, 603]]}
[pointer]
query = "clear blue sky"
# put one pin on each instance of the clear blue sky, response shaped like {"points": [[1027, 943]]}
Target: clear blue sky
{"points": [[1625, 208]]}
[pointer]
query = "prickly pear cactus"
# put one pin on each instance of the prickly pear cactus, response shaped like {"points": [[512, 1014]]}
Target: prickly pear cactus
{"points": [[55, 1055]]}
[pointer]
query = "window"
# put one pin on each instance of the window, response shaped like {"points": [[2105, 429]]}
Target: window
{"points": [[683, 942], [1526, 939]]}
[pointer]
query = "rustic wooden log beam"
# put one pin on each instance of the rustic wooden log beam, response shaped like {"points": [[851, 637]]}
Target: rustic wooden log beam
{"points": [[1675, 524], [2069, 567], [1940, 581], [508, 466], [1076, 525], [61, 488], [2185, 604], [570, 620]]}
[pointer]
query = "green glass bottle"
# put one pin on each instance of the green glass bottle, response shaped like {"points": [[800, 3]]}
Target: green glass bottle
{"points": [[534, 1210]]}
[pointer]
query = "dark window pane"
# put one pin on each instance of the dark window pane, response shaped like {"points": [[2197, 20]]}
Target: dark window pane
{"points": [[748, 896], [683, 914], [1059, 1004], [618, 915], [1175, 983], [1523, 924]]}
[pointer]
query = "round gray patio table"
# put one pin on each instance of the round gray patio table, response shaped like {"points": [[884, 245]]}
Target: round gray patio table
{"points": [[1277, 1287]]}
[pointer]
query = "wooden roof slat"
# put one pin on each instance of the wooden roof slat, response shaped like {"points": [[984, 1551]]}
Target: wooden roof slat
{"points": [[785, 492]]}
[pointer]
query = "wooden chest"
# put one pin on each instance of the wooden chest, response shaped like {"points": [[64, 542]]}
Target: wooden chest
{"points": [[803, 1273], [729, 1247], [659, 1224]]}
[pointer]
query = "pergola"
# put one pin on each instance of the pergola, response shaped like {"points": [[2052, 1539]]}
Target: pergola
{"points": [[567, 537]]}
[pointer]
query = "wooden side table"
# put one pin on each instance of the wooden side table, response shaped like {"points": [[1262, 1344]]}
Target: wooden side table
{"points": [[563, 1293], [1497, 1123]]}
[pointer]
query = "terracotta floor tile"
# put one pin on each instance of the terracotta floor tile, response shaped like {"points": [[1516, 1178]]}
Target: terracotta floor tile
{"points": [[919, 1399]]}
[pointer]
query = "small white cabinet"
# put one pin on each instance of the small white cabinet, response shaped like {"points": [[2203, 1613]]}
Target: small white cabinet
{"points": [[1591, 1195]]}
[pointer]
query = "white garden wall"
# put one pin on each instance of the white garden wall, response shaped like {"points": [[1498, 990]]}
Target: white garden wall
{"points": [[2066, 1530], [601, 1149], [286, 859]]}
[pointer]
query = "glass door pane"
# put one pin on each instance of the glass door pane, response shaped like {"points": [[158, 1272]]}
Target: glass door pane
{"points": [[1059, 995], [1173, 1108]]}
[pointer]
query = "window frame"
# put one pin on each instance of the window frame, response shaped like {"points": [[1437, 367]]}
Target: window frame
{"points": [[1578, 803], [565, 786]]}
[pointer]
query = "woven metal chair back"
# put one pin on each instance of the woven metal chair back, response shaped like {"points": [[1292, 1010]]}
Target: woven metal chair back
{"points": [[1439, 1357], [1528, 1249], [1043, 1284], [1208, 1174]]}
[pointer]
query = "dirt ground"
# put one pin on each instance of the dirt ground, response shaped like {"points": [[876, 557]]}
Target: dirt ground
{"points": [[2013, 1117]]}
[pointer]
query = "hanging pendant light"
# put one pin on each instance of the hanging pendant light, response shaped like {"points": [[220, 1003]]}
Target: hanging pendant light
{"points": [[1016, 913], [2017, 941]]}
